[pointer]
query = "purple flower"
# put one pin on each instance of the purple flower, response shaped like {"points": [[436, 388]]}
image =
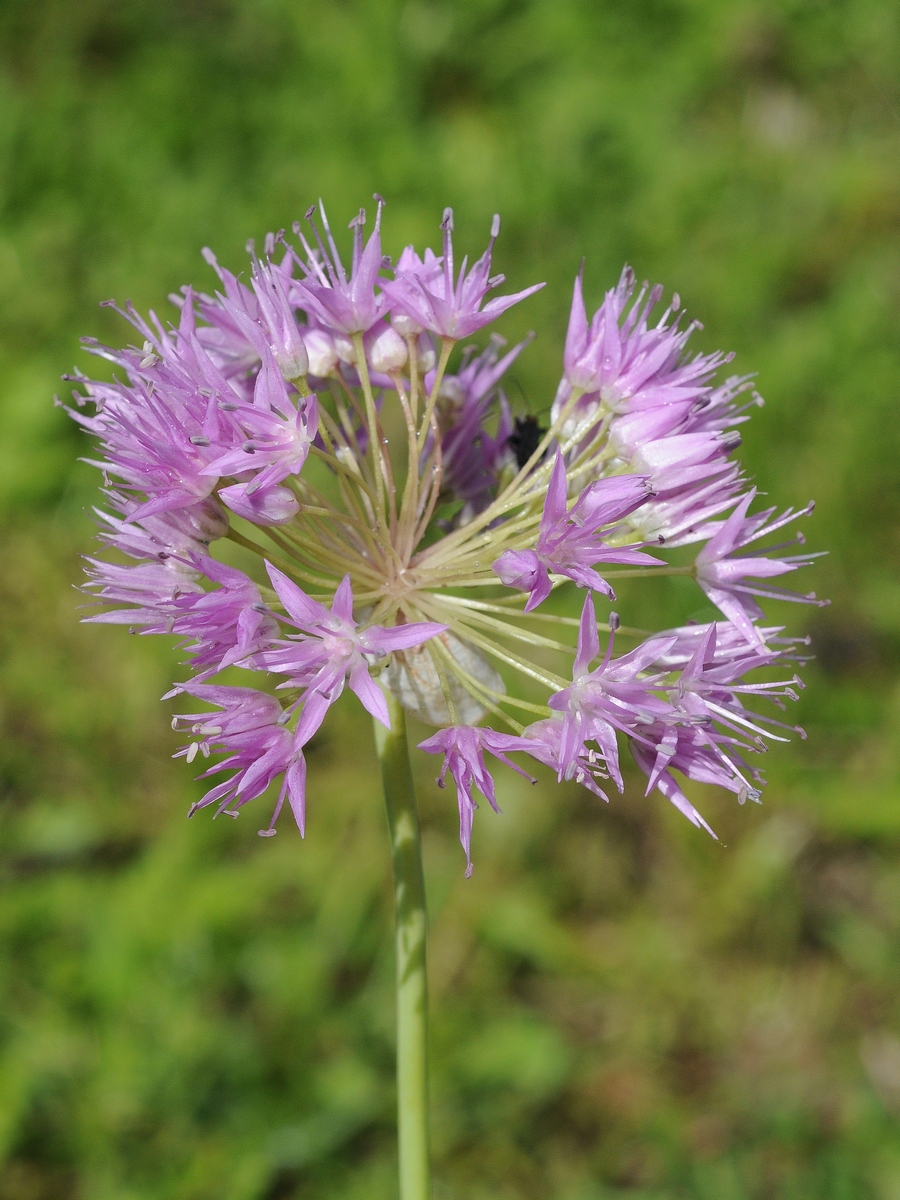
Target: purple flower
{"points": [[731, 645], [332, 650], [228, 624], [702, 754], [244, 324], [258, 748], [722, 573], [278, 437], [463, 747], [430, 300], [619, 360], [151, 589], [161, 433], [181, 533], [275, 506], [277, 317], [683, 459], [691, 757], [167, 546], [569, 541], [327, 295], [708, 689], [225, 336], [611, 697], [687, 515], [587, 766]]}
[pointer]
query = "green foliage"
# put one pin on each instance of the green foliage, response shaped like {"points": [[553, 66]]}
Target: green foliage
{"points": [[621, 1008]]}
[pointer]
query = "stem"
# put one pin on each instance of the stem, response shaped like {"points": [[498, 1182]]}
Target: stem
{"points": [[412, 998]]}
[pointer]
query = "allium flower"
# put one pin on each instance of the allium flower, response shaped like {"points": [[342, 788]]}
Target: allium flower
{"points": [[259, 750], [410, 568], [723, 573], [618, 695], [569, 541], [430, 298], [346, 305], [463, 747], [331, 649], [229, 623]]}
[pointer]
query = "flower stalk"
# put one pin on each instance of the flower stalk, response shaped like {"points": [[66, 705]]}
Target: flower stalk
{"points": [[411, 929]]}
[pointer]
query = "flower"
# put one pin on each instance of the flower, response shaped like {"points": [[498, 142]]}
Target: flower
{"points": [[624, 361], [342, 304], [722, 573], [399, 527], [228, 624], [278, 435], [259, 748], [620, 695], [463, 747], [429, 298], [331, 649], [569, 541]]}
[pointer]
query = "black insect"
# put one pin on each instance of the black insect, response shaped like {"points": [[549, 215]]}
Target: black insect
{"points": [[525, 438]]}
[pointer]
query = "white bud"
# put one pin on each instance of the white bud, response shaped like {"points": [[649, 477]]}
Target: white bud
{"points": [[323, 357], [405, 325], [387, 351], [425, 355], [344, 348]]}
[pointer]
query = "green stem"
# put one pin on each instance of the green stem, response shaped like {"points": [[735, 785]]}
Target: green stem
{"points": [[412, 996]]}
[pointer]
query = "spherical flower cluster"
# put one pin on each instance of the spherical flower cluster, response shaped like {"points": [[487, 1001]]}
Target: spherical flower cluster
{"points": [[409, 530]]}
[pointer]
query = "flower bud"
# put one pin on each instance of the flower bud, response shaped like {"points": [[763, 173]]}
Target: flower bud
{"points": [[272, 506], [405, 325], [323, 357], [344, 348], [426, 359], [211, 520], [387, 351]]}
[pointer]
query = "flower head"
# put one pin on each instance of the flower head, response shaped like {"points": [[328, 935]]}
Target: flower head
{"points": [[265, 424]]}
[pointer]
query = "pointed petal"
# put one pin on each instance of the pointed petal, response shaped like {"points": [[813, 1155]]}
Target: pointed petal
{"points": [[399, 637], [300, 607], [588, 638], [343, 601], [556, 502], [369, 693]]}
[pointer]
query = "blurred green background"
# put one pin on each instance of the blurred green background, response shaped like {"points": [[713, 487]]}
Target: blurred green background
{"points": [[621, 1007]]}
